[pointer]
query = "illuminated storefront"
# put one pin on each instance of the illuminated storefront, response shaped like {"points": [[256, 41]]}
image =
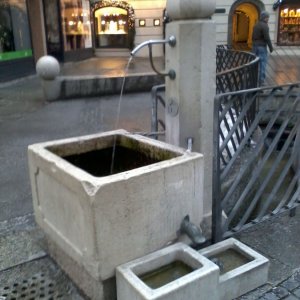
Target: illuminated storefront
{"points": [[113, 24], [76, 24], [68, 29], [15, 41], [289, 24]]}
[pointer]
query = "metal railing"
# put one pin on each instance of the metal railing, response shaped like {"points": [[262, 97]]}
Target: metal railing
{"points": [[157, 98], [257, 159], [256, 144], [236, 70]]}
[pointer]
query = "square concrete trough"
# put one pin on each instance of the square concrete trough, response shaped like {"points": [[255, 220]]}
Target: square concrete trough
{"points": [[175, 272], [241, 268], [95, 220]]}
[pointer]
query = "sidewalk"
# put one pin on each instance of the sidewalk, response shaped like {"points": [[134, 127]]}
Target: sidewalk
{"points": [[26, 270]]}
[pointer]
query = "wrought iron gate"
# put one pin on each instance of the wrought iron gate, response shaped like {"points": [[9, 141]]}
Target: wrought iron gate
{"points": [[257, 157]]}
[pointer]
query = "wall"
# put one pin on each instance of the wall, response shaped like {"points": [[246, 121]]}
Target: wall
{"points": [[149, 10], [35, 11]]}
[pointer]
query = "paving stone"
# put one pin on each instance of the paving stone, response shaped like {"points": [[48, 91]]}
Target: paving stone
{"points": [[291, 297], [17, 248], [290, 284], [257, 293], [280, 292], [269, 296], [296, 292], [296, 276]]}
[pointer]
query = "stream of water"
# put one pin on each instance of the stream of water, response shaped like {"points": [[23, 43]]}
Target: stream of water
{"points": [[118, 114]]}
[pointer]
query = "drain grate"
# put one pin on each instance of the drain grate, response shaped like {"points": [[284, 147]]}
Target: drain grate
{"points": [[36, 287]]}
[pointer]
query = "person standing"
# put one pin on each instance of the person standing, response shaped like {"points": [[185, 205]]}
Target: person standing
{"points": [[260, 41]]}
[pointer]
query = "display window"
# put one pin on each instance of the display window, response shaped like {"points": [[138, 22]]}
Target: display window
{"points": [[289, 25], [111, 27], [76, 24], [15, 39], [114, 24]]}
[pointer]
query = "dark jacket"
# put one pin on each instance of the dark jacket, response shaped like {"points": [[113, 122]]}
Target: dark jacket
{"points": [[260, 35]]}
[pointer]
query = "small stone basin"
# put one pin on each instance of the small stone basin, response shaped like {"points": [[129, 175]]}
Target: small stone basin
{"points": [[96, 215], [230, 259], [175, 272], [241, 268], [166, 274]]}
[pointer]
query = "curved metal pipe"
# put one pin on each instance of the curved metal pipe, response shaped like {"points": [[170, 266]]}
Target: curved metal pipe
{"points": [[171, 41]]}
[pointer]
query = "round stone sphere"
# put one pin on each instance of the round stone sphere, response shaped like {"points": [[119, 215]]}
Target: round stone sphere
{"points": [[47, 67], [190, 9]]}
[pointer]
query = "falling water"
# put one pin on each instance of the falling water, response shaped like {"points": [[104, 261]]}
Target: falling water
{"points": [[118, 114]]}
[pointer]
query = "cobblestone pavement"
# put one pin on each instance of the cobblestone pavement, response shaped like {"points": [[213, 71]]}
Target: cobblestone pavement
{"points": [[288, 289]]}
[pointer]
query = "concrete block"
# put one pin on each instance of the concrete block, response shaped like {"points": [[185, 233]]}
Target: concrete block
{"points": [[241, 268], [194, 277], [100, 220]]}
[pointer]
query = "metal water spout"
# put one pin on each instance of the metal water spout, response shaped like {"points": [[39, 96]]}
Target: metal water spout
{"points": [[192, 231], [171, 41]]}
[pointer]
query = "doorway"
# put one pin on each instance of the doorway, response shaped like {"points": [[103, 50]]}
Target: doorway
{"points": [[53, 29], [244, 18]]}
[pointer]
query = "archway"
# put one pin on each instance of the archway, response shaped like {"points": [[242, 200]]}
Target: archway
{"points": [[242, 17], [113, 24]]}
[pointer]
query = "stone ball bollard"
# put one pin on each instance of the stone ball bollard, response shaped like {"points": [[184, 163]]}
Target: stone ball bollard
{"points": [[47, 67], [190, 9]]}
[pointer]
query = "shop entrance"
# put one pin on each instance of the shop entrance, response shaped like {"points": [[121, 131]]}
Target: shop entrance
{"points": [[114, 24], [244, 18], [53, 29]]}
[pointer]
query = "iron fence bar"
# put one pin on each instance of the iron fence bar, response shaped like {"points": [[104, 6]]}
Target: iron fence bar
{"points": [[293, 156], [162, 124], [216, 187], [154, 110], [237, 133], [231, 138], [240, 117], [294, 199], [270, 173], [227, 168], [276, 187], [255, 154], [230, 70], [291, 186], [253, 127], [257, 171], [230, 233], [226, 148]]}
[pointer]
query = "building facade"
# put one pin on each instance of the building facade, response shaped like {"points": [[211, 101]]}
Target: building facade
{"points": [[235, 21], [16, 53], [78, 29]]}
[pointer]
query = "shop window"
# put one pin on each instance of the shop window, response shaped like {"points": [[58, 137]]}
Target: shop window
{"points": [[15, 39], [289, 25], [111, 27], [76, 24]]}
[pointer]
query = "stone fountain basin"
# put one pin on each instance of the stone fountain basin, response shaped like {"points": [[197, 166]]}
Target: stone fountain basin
{"points": [[154, 276], [242, 269], [101, 221]]}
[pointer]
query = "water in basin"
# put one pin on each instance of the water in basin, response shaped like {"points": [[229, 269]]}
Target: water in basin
{"points": [[166, 274], [98, 162], [95, 156], [229, 260]]}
